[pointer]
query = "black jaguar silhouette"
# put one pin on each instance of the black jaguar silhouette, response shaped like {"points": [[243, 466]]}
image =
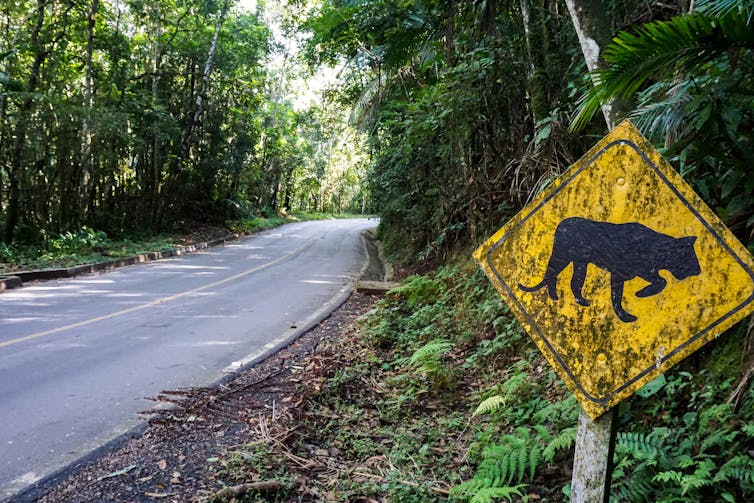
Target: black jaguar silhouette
{"points": [[626, 251]]}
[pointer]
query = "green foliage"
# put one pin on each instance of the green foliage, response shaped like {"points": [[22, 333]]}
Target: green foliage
{"points": [[702, 455], [512, 461], [691, 77], [444, 92], [81, 242], [455, 304], [8, 253], [417, 291], [429, 361], [510, 464]]}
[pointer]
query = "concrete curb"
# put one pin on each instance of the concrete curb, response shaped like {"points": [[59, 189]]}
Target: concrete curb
{"points": [[8, 282], [19, 277], [41, 487]]}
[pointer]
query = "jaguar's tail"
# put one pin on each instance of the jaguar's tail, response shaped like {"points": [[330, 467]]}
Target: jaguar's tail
{"points": [[532, 288]]}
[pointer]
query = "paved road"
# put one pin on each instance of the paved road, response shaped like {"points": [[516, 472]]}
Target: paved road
{"points": [[78, 356]]}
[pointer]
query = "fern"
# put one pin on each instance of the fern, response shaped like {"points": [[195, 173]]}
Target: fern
{"points": [[638, 489], [740, 469], [427, 356], [564, 440], [701, 477], [504, 467], [489, 405], [748, 429], [644, 447], [493, 494]]}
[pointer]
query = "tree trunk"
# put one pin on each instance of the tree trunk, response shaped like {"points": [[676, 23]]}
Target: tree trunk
{"points": [[156, 160], [593, 29], [87, 164], [450, 34], [17, 154], [534, 50], [189, 133]]}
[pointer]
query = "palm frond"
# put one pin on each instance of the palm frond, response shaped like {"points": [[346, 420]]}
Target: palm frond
{"points": [[725, 7], [660, 50]]}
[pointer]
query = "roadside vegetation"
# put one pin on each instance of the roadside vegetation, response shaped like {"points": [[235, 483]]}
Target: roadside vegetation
{"points": [[88, 246], [472, 108], [441, 396]]}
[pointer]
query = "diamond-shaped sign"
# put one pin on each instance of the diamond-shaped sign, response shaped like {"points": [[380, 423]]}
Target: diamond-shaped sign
{"points": [[619, 270]]}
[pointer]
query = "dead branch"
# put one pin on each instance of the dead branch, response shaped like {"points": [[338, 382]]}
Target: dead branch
{"points": [[239, 490]]}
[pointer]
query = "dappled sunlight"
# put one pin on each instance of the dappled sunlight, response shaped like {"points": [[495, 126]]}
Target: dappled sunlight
{"points": [[87, 281], [207, 344], [26, 319], [242, 246], [193, 267], [61, 345]]}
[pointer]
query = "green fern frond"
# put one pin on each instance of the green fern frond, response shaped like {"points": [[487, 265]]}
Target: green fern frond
{"points": [[739, 468], [668, 476], [640, 445], [504, 467], [701, 477], [432, 349], [534, 457], [637, 490], [493, 494], [748, 429], [489, 405], [564, 440]]}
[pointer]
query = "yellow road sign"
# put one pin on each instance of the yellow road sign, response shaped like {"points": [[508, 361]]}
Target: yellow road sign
{"points": [[619, 270]]}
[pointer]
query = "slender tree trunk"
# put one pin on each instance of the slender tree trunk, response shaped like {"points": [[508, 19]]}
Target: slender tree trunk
{"points": [[593, 29], [87, 163], [450, 34], [17, 154], [156, 160], [189, 135], [534, 50]]}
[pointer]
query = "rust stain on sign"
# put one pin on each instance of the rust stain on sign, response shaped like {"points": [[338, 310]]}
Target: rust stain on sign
{"points": [[619, 270]]}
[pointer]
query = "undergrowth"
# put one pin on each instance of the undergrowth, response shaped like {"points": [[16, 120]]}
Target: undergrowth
{"points": [[86, 245], [442, 397]]}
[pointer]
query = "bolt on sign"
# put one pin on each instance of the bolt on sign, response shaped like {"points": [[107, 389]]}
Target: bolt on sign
{"points": [[619, 270]]}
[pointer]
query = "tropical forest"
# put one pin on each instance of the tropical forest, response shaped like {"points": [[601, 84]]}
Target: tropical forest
{"points": [[126, 125]]}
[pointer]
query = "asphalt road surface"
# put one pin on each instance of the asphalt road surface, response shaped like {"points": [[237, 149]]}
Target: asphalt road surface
{"points": [[79, 356]]}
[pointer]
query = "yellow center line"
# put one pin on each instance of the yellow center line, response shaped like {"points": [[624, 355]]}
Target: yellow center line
{"points": [[155, 302]]}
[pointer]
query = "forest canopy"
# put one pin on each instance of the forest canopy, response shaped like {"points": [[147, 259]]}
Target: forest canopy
{"points": [[470, 107], [124, 115]]}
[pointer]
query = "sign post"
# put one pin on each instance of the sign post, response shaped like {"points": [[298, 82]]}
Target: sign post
{"points": [[593, 460], [618, 271]]}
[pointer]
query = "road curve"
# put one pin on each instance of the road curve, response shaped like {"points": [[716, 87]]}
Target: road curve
{"points": [[79, 356]]}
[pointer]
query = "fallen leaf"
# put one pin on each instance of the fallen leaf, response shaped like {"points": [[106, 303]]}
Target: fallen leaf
{"points": [[118, 473]]}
